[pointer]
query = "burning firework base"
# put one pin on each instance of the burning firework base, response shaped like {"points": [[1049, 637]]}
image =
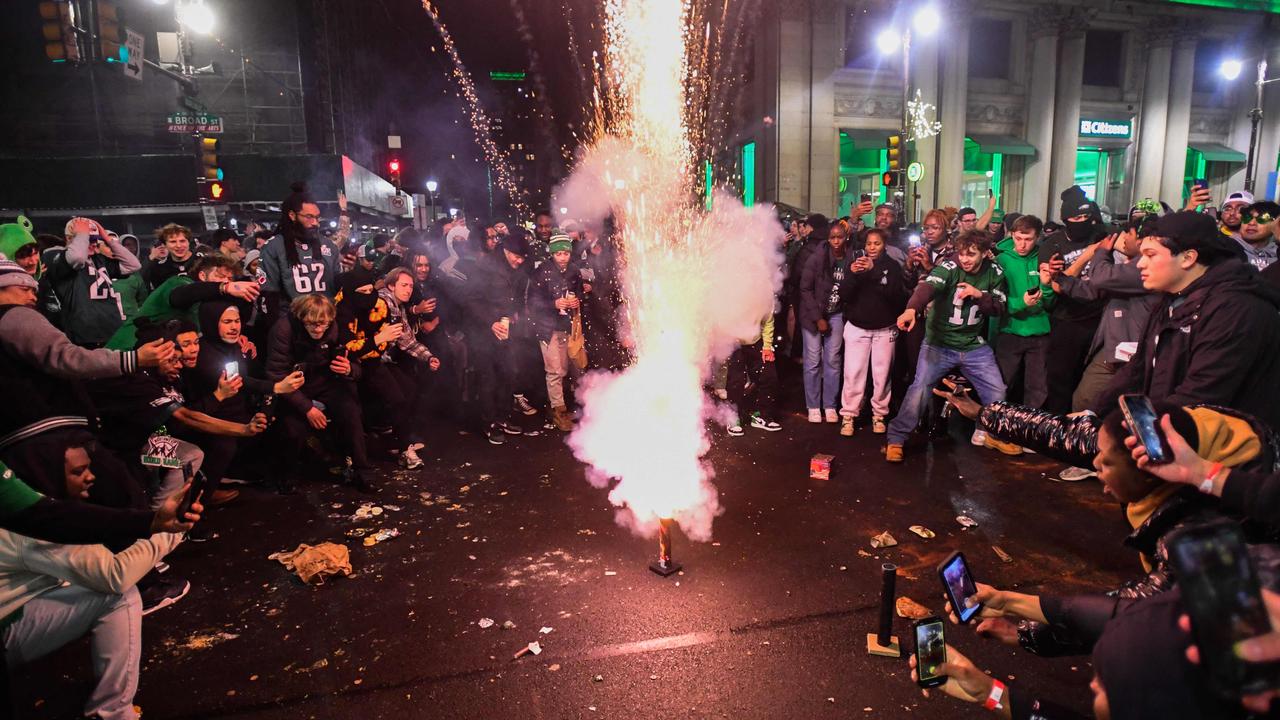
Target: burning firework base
{"points": [[665, 565]]}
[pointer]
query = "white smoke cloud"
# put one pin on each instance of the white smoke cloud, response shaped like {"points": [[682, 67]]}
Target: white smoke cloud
{"points": [[697, 284]]}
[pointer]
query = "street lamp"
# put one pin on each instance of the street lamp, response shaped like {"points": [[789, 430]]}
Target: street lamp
{"points": [[195, 16], [431, 193], [1231, 69], [926, 21]]}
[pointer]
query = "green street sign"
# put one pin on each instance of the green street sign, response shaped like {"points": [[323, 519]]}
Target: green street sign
{"points": [[915, 171]]}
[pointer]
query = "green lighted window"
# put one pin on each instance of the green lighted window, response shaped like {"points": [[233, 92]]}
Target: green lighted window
{"points": [[983, 171], [749, 174], [1088, 165], [708, 176]]}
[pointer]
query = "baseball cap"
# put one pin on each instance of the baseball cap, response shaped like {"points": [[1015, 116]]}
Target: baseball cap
{"points": [[516, 243], [1239, 196]]}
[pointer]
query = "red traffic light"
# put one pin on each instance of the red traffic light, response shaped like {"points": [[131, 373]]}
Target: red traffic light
{"points": [[889, 179], [394, 166]]}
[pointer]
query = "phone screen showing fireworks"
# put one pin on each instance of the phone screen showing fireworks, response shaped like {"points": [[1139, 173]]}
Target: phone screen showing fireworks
{"points": [[959, 586], [931, 652], [1220, 593]]}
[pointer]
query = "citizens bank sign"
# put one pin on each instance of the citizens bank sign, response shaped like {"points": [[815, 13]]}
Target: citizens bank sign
{"points": [[1106, 128]]}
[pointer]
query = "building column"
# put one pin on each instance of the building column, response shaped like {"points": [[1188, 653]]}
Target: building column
{"points": [[924, 76], [824, 145], [1154, 119], [1066, 108], [1178, 122], [1037, 193], [792, 116], [953, 110]]}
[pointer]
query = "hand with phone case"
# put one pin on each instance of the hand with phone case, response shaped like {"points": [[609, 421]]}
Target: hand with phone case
{"points": [[963, 680], [1143, 424], [959, 587], [930, 652], [1261, 649], [1224, 604], [1185, 466]]}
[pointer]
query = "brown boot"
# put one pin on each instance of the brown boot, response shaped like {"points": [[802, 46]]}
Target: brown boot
{"points": [[222, 497], [561, 417]]}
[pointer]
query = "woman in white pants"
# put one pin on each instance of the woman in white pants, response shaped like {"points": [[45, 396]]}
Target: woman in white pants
{"points": [[874, 293]]}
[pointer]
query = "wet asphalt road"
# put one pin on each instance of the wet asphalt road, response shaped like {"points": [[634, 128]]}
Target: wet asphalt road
{"points": [[767, 621]]}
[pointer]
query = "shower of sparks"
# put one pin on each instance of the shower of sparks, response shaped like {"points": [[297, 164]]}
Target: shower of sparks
{"points": [[495, 156], [696, 283]]}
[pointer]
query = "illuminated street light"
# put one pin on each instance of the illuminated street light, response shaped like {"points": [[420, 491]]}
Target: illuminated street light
{"points": [[1231, 69], [887, 41], [432, 185], [927, 20], [196, 17]]}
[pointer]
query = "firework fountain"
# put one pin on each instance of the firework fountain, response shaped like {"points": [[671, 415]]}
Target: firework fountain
{"points": [[696, 283]]}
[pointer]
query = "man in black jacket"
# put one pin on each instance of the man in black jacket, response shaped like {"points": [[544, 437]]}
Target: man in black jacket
{"points": [[495, 296], [1073, 322], [1213, 337]]}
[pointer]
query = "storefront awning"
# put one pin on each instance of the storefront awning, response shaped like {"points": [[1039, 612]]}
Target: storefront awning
{"points": [[1006, 144], [1216, 152], [867, 138]]}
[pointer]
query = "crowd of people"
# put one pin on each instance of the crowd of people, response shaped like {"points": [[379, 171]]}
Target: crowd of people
{"points": [[134, 371]]}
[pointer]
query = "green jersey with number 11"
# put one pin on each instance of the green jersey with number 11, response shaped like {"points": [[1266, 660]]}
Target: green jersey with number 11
{"points": [[961, 324]]}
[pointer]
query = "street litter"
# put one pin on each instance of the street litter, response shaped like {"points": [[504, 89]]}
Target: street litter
{"points": [[966, 521], [820, 466], [908, 608], [922, 531], [366, 510], [315, 563], [598, 678], [610, 572], [485, 623], [1004, 556], [508, 625], [883, 540], [532, 647], [381, 535], [545, 630]]}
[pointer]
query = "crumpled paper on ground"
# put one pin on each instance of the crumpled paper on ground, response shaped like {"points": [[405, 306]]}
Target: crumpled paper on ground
{"points": [[315, 563]]}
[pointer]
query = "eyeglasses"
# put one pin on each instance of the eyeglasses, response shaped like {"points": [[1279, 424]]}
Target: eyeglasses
{"points": [[317, 323], [308, 216], [1260, 218]]}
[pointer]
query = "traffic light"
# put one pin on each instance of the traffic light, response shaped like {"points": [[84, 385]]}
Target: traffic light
{"points": [[208, 152], [214, 191], [110, 46], [393, 172], [889, 179], [61, 43], [894, 145]]}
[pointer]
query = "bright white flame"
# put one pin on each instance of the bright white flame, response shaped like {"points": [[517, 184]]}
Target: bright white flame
{"points": [[927, 20], [1231, 69], [196, 17], [696, 283], [887, 41]]}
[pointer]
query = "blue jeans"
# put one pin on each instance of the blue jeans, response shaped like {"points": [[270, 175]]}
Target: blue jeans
{"points": [[978, 365], [823, 364]]}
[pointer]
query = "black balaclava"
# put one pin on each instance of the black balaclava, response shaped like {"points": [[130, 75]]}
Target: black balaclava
{"points": [[1075, 202]]}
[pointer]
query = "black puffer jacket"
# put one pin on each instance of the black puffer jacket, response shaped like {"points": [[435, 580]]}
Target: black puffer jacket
{"points": [[495, 290], [1213, 343]]}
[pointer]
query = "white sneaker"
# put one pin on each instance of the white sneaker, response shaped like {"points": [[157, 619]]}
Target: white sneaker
{"points": [[1076, 474], [815, 415], [832, 416], [410, 458], [878, 425], [846, 426], [978, 438]]}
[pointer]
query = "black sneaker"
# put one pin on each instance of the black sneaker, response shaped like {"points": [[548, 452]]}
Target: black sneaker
{"points": [[495, 436], [509, 428], [162, 593], [199, 534], [523, 407]]}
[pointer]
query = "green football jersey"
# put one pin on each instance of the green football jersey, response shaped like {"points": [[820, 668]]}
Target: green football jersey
{"points": [[961, 324]]}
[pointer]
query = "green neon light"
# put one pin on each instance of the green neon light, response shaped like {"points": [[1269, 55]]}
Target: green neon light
{"points": [[997, 174], [507, 75], [1271, 6], [749, 174], [707, 179]]}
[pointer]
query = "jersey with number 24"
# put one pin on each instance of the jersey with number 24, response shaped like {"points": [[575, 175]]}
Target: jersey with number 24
{"points": [[961, 325]]}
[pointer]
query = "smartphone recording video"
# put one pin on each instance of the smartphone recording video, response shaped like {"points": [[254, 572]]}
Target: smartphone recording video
{"points": [[1145, 425], [931, 651], [959, 586], [1220, 592]]}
